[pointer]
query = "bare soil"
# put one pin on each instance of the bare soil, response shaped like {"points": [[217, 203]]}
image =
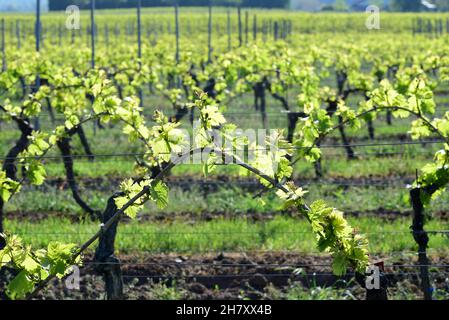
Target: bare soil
{"points": [[235, 276]]}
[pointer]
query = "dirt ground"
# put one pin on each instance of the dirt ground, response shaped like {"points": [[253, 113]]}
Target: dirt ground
{"points": [[253, 276]]}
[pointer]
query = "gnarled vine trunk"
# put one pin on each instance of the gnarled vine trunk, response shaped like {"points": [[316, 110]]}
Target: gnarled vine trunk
{"points": [[332, 108], [85, 142], [65, 149], [106, 261], [261, 102], [422, 239], [9, 166], [349, 151]]}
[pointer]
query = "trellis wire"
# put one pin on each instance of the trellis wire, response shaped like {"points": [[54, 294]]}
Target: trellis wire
{"points": [[251, 264], [269, 275], [190, 183], [444, 232], [331, 146]]}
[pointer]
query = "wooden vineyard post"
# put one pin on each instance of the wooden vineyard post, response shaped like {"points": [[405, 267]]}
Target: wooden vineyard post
{"points": [[255, 28], [422, 239], [3, 49], [92, 38], [177, 32], [276, 31], [38, 25], [264, 31], [19, 44], [3, 45], [229, 30], [209, 35], [246, 27], [429, 28], [239, 13], [139, 45], [92, 32], [38, 29]]}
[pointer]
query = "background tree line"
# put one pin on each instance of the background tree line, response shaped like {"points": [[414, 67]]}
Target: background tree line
{"points": [[103, 4], [418, 5], [337, 5]]}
